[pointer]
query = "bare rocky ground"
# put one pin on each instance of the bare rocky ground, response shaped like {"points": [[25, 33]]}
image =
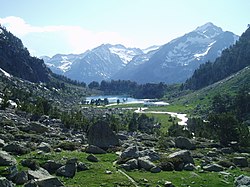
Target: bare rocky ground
{"points": [[137, 151]]}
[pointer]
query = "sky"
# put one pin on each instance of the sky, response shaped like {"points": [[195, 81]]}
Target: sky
{"points": [[49, 27]]}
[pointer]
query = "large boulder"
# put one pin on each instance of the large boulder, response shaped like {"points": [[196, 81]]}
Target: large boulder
{"points": [[45, 147], [37, 127], [153, 155], [132, 164], [69, 170], [242, 181], [2, 143], [184, 155], [130, 153], [184, 143], [51, 166], [21, 177], [92, 158], [5, 183], [213, 167], [95, 150], [49, 182], [145, 163], [240, 161], [82, 167], [101, 135], [6, 159], [16, 148], [40, 173], [30, 163]]}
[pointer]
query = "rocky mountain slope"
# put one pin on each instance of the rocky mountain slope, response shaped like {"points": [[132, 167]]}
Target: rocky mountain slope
{"points": [[231, 61], [176, 61], [100, 63], [16, 60], [171, 63]]}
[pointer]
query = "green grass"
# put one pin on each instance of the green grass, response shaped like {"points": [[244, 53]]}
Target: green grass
{"points": [[97, 177], [165, 121], [183, 178], [178, 108]]}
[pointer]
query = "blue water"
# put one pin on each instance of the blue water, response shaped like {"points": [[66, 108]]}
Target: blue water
{"points": [[114, 98]]}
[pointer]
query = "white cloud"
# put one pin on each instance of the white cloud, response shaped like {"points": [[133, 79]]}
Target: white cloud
{"points": [[78, 38]]}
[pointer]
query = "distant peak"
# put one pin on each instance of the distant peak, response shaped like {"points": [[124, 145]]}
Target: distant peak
{"points": [[207, 26]]}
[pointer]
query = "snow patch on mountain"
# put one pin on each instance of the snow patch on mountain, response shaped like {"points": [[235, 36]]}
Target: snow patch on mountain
{"points": [[151, 48], [125, 54], [5, 73], [204, 53], [66, 64]]}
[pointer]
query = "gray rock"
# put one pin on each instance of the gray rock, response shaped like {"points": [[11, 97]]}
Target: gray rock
{"points": [[5, 183], [242, 181], [184, 143], [58, 150], [82, 167], [30, 183], [155, 169], [68, 170], [125, 166], [240, 161], [92, 158], [213, 167], [153, 156], [51, 166], [21, 177], [184, 155], [45, 147], [189, 167], [129, 153], [40, 173], [95, 150], [12, 172], [49, 182], [30, 163], [2, 143], [16, 148], [145, 163], [166, 166], [6, 159], [133, 164], [101, 135], [37, 127], [168, 184]]}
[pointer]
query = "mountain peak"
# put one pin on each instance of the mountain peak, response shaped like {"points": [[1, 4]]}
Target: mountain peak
{"points": [[209, 29]]}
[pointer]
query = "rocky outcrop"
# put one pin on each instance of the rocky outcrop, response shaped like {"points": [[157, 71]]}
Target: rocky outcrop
{"points": [[40, 173], [213, 167], [242, 181], [101, 135], [16, 148], [130, 153], [240, 161], [68, 170], [49, 181], [6, 159], [92, 158], [184, 155], [5, 183], [184, 143], [45, 147]]}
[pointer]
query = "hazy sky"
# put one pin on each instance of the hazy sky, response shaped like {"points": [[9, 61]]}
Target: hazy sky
{"points": [[48, 27]]}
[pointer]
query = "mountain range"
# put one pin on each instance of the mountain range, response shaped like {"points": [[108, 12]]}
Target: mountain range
{"points": [[173, 62]]}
